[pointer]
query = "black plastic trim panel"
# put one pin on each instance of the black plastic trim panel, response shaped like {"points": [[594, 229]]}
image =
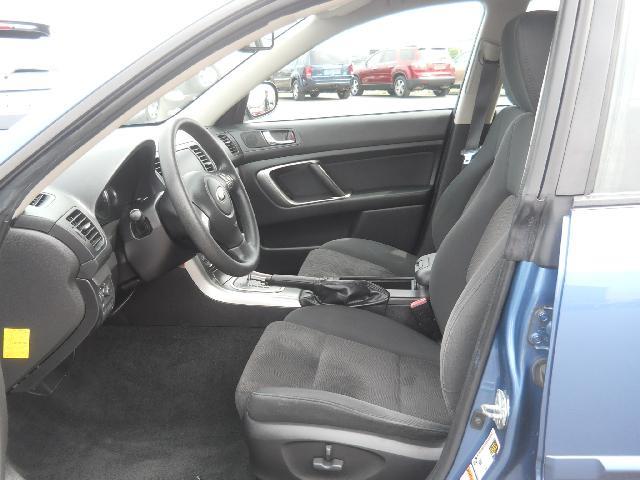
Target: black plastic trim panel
{"points": [[341, 133]]}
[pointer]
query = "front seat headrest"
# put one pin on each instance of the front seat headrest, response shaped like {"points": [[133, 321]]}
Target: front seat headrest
{"points": [[526, 41]]}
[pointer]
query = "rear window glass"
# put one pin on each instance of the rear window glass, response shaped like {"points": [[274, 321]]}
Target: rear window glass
{"points": [[435, 55], [406, 54], [323, 58]]}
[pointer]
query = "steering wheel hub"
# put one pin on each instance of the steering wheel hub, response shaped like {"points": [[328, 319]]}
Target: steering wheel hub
{"points": [[221, 194], [213, 207]]}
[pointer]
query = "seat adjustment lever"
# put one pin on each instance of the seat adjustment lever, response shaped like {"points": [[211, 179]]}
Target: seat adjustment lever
{"points": [[327, 464]]}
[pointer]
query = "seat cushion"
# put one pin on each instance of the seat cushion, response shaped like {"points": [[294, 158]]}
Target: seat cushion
{"points": [[358, 257], [345, 368]]}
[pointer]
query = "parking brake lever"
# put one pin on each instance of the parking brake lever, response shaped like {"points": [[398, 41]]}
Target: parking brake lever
{"points": [[294, 281], [331, 291]]}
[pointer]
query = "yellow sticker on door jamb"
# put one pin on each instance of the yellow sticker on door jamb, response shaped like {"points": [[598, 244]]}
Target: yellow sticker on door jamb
{"points": [[15, 343]]}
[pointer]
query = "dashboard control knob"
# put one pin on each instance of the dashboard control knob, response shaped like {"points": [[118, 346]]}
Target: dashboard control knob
{"points": [[135, 215]]}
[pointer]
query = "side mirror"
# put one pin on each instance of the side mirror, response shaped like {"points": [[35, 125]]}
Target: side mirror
{"points": [[263, 43], [10, 29], [262, 100]]}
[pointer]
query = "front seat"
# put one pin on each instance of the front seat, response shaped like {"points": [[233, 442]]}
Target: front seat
{"points": [[334, 392], [361, 257]]}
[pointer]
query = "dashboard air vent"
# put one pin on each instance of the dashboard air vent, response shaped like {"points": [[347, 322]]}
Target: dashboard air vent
{"points": [[157, 167], [206, 162], [86, 228], [231, 145], [40, 200]]}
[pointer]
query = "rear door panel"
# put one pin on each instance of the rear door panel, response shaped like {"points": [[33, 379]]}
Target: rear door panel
{"points": [[282, 78], [368, 176], [590, 424]]}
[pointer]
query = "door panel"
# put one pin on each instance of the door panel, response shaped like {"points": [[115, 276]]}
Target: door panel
{"points": [[385, 68], [368, 74], [369, 176], [595, 334], [282, 78], [282, 253]]}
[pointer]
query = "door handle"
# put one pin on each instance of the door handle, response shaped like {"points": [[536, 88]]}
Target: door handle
{"points": [[326, 179], [265, 177], [289, 138]]}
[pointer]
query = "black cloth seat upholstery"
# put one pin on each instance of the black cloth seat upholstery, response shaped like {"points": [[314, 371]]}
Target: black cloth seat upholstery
{"points": [[362, 257], [355, 372], [358, 257], [346, 368]]}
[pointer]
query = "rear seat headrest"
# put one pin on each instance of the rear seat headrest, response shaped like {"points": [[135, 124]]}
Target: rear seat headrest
{"points": [[526, 41]]}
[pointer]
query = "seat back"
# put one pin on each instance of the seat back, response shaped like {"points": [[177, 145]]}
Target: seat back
{"points": [[465, 186], [470, 261], [524, 91]]}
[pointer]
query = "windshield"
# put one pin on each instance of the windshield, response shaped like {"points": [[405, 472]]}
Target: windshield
{"points": [[319, 57], [26, 76], [42, 78], [178, 98]]}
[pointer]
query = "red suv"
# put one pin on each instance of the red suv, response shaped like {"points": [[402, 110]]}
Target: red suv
{"points": [[402, 70]]}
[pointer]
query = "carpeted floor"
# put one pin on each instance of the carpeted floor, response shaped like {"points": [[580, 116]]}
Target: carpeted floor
{"points": [[139, 403]]}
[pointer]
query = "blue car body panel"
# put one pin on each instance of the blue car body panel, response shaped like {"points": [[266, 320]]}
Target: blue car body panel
{"points": [[509, 368], [591, 421], [585, 424]]}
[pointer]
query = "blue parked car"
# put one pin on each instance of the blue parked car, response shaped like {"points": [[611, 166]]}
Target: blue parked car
{"points": [[317, 71], [443, 293]]}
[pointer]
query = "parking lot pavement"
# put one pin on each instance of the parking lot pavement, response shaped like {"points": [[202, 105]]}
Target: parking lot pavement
{"points": [[329, 105]]}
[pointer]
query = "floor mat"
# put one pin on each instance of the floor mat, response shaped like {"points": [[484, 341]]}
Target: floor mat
{"points": [[139, 403]]}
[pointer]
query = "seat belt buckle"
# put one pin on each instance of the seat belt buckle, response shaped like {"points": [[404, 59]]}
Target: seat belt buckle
{"points": [[425, 319], [422, 313], [468, 154], [419, 304]]}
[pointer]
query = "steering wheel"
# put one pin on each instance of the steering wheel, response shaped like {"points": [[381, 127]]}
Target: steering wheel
{"points": [[214, 208]]}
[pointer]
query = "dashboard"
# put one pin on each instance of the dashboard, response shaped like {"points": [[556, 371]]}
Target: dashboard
{"points": [[130, 182], [75, 245]]}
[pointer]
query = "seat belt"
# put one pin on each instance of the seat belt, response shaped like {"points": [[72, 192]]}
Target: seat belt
{"points": [[484, 98]]}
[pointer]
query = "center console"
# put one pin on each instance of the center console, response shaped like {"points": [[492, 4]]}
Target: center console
{"points": [[259, 289]]}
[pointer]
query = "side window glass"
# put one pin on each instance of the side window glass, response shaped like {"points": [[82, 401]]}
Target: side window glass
{"points": [[412, 67], [388, 56], [543, 5], [406, 54], [374, 60], [619, 168]]}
